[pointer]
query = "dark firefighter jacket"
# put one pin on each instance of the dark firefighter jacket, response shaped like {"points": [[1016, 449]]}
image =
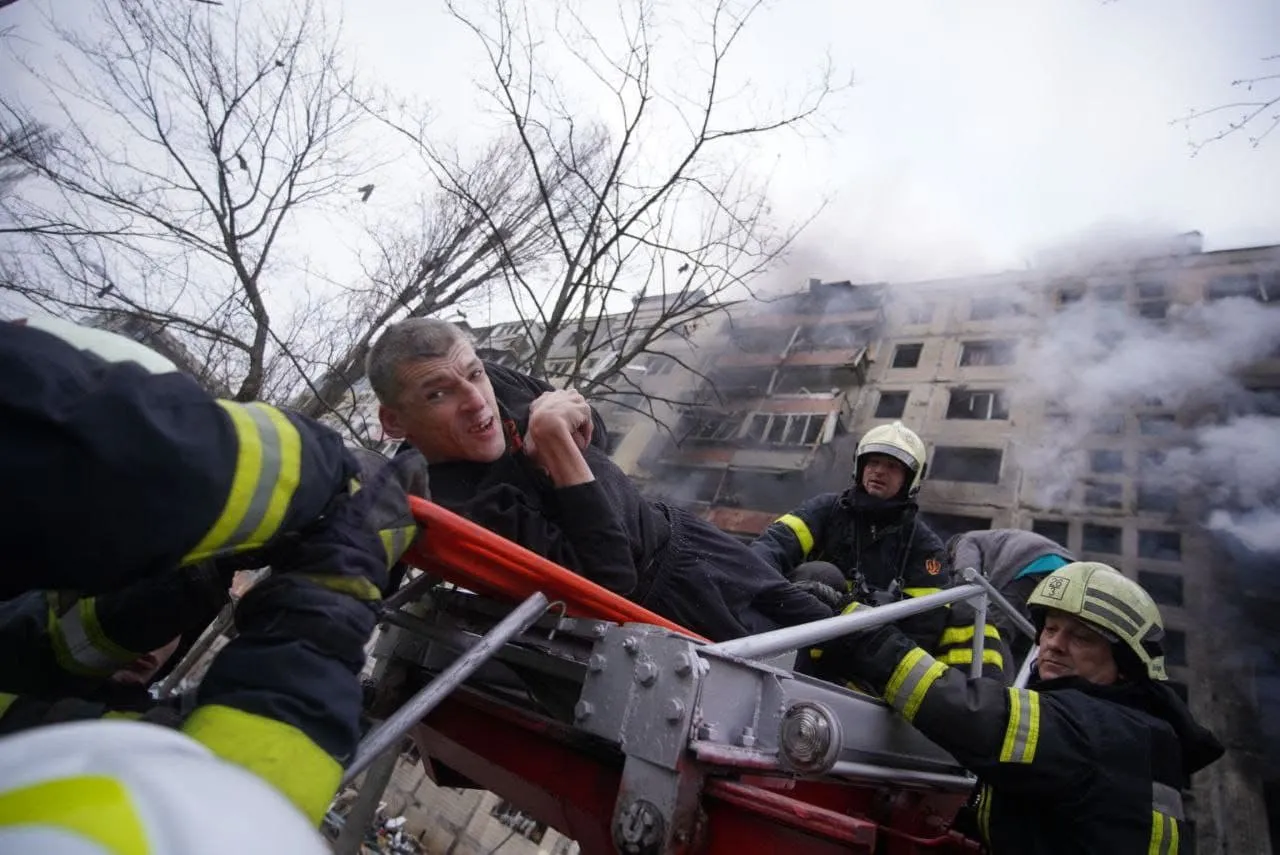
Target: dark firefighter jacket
{"points": [[116, 475], [1065, 766], [884, 544], [663, 558]]}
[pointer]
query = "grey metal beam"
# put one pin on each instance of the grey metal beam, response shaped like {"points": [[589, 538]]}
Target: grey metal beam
{"points": [[818, 631]]}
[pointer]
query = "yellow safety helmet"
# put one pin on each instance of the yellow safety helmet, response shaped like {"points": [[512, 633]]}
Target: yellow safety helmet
{"points": [[899, 442], [1108, 601], [127, 788]]}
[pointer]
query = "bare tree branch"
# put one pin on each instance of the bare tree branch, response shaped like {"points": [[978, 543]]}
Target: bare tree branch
{"points": [[653, 202], [190, 142], [1259, 115]]}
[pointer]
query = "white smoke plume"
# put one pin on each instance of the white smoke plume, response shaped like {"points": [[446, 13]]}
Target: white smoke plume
{"points": [[1095, 361]]}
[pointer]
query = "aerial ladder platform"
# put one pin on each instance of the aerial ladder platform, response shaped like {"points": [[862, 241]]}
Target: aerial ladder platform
{"points": [[629, 733]]}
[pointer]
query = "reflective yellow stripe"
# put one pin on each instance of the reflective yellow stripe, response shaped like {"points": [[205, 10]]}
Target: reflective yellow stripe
{"points": [[920, 592], [6, 701], [801, 529], [964, 634], [964, 656], [353, 586], [81, 646], [268, 470], [396, 540], [1164, 834], [94, 807], [984, 813], [1023, 732], [279, 753], [911, 681]]}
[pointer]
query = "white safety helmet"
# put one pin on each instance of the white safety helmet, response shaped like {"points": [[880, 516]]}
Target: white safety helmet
{"points": [[110, 346], [128, 788], [899, 442]]}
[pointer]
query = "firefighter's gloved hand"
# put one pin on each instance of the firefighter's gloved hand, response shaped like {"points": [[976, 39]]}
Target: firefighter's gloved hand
{"points": [[351, 549], [829, 596], [848, 657]]}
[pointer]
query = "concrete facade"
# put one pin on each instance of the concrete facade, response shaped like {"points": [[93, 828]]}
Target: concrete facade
{"points": [[1014, 382], [976, 366]]}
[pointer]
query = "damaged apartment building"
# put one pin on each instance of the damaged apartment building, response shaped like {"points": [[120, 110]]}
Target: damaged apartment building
{"points": [[990, 371], [769, 422]]}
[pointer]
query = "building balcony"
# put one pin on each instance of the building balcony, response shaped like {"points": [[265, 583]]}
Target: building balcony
{"points": [[726, 456], [771, 320], [833, 358]]}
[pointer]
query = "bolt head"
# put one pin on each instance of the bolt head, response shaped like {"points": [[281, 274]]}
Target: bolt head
{"points": [[630, 645], [673, 709], [646, 673], [596, 663], [582, 710], [684, 664]]}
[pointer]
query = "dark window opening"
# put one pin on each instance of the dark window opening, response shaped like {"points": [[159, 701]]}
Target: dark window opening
{"points": [[1104, 494], [1109, 423], [974, 353], [891, 405], [906, 355], [1163, 424], [1164, 588], [1264, 289], [947, 526], [1175, 648], [1160, 545], [1056, 530], [1150, 461], [1150, 290], [1109, 293], [1068, 294], [1154, 310], [1159, 500], [711, 428], [783, 429], [985, 405], [1106, 460], [1101, 538], [971, 465]]}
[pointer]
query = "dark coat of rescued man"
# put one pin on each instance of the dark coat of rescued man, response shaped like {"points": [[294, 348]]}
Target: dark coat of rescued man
{"points": [[528, 462]]}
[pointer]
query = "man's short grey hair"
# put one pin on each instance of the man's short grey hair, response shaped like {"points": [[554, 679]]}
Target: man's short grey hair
{"points": [[408, 341]]}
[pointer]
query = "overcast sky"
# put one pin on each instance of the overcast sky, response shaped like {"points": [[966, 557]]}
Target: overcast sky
{"points": [[977, 132]]}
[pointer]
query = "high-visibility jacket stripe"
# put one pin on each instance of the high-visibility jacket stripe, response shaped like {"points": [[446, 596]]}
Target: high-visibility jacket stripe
{"points": [[81, 646], [1023, 732], [802, 532], [268, 470]]}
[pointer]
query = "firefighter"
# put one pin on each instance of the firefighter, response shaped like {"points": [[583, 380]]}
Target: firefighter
{"points": [[530, 463], [1093, 755], [130, 471], [1014, 561], [867, 541]]}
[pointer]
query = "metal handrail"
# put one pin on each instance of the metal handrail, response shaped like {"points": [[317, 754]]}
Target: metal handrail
{"points": [[815, 632], [978, 590]]}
